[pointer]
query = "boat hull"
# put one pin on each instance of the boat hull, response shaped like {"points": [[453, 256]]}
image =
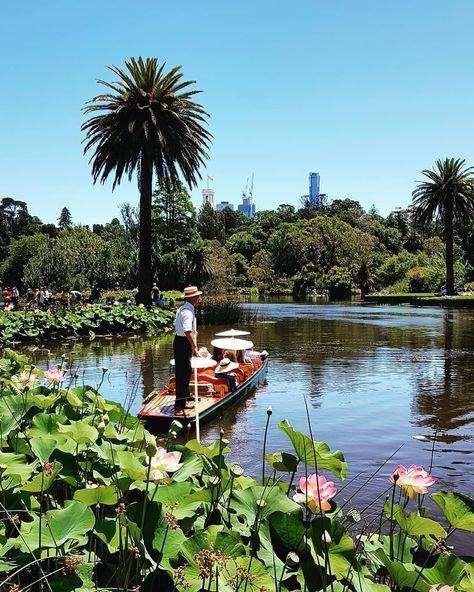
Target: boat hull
{"points": [[161, 420]]}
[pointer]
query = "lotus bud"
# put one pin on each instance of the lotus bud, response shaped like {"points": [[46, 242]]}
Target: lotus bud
{"points": [[176, 425], [236, 470], [326, 537], [214, 480], [101, 426], [105, 418], [224, 441], [261, 503], [104, 370], [269, 410], [221, 433], [396, 476], [151, 447], [292, 559]]}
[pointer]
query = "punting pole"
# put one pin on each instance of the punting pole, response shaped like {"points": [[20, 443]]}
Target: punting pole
{"points": [[196, 402]]}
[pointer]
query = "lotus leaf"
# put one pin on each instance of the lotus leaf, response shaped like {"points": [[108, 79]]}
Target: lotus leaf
{"points": [[315, 454], [458, 509], [413, 524], [80, 431], [68, 526], [43, 480], [107, 495]]}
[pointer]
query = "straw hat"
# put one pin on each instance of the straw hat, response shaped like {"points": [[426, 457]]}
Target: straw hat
{"points": [[203, 352], [226, 366], [191, 291]]}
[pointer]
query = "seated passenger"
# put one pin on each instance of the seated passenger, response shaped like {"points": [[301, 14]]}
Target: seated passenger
{"points": [[241, 356], [231, 354], [217, 354], [223, 370], [251, 354]]}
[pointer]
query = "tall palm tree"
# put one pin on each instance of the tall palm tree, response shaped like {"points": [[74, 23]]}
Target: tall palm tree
{"points": [[149, 122], [448, 194]]}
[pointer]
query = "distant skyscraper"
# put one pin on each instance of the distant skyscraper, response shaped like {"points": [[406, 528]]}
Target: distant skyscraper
{"points": [[314, 190], [224, 204], [208, 197], [247, 207]]}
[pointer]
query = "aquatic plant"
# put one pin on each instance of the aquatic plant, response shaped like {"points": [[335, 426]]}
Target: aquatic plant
{"points": [[88, 320], [89, 500]]}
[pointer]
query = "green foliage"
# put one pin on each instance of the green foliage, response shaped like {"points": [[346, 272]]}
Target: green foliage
{"points": [[89, 320], [82, 509]]}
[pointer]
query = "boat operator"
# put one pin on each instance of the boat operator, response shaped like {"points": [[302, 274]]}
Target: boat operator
{"points": [[185, 346]]}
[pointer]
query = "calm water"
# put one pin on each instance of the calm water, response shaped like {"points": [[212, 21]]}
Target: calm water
{"points": [[374, 377]]}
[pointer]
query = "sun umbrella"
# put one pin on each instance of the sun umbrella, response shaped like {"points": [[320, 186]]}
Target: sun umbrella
{"points": [[232, 343], [233, 333], [200, 362]]}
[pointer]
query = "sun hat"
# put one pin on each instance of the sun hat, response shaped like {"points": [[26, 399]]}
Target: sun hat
{"points": [[226, 366], [232, 343], [191, 291], [203, 352]]}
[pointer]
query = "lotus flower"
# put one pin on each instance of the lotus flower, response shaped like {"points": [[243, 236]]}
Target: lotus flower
{"points": [[412, 480], [54, 376], [28, 379], [311, 496], [445, 588], [163, 463]]}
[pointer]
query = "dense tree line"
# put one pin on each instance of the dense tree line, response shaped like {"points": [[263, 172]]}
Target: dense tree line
{"points": [[338, 247]]}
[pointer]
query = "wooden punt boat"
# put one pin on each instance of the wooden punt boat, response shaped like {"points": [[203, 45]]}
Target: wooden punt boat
{"points": [[215, 395]]}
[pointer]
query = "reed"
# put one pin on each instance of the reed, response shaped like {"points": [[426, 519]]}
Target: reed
{"points": [[223, 310]]}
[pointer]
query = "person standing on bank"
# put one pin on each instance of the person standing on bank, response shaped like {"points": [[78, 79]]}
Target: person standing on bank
{"points": [[185, 345]]}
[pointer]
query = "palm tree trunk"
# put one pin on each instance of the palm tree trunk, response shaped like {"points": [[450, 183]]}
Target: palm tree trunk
{"points": [[144, 255], [448, 239]]}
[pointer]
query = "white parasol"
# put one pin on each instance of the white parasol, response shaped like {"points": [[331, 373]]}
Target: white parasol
{"points": [[232, 343], [200, 362], [232, 333]]}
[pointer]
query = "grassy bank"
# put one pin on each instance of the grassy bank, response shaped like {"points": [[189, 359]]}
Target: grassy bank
{"points": [[422, 299]]}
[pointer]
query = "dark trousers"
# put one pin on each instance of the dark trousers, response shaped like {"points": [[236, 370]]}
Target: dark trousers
{"points": [[182, 359]]}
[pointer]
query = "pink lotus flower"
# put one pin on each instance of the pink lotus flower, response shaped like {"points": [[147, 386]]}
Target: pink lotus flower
{"points": [[412, 480], [445, 588], [54, 376], [311, 496], [28, 379], [163, 463]]}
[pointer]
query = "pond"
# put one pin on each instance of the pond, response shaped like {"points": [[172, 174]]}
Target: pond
{"points": [[375, 378]]}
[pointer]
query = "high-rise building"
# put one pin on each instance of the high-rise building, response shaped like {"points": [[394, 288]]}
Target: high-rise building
{"points": [[247, 207], [208, 197], [314, 191], [224, 204]]}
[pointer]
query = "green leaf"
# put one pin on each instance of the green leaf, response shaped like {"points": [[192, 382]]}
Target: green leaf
{"points": [[264, 500], [106, 495], [289, 531], [448, 569], [15, 466], [80, 431], [130, 465], [457, 507], [43, 480], [315, 454], [413, 524], [68, 526], [42, 448], [12, 409], [405, 575], [339, 546], [282, 461]]}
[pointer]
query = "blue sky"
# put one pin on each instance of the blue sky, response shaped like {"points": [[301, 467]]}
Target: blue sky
{"points": [[366, 93]]}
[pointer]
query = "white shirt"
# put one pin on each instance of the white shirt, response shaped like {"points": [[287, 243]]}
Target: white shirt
{"points": [[185, 320]]}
